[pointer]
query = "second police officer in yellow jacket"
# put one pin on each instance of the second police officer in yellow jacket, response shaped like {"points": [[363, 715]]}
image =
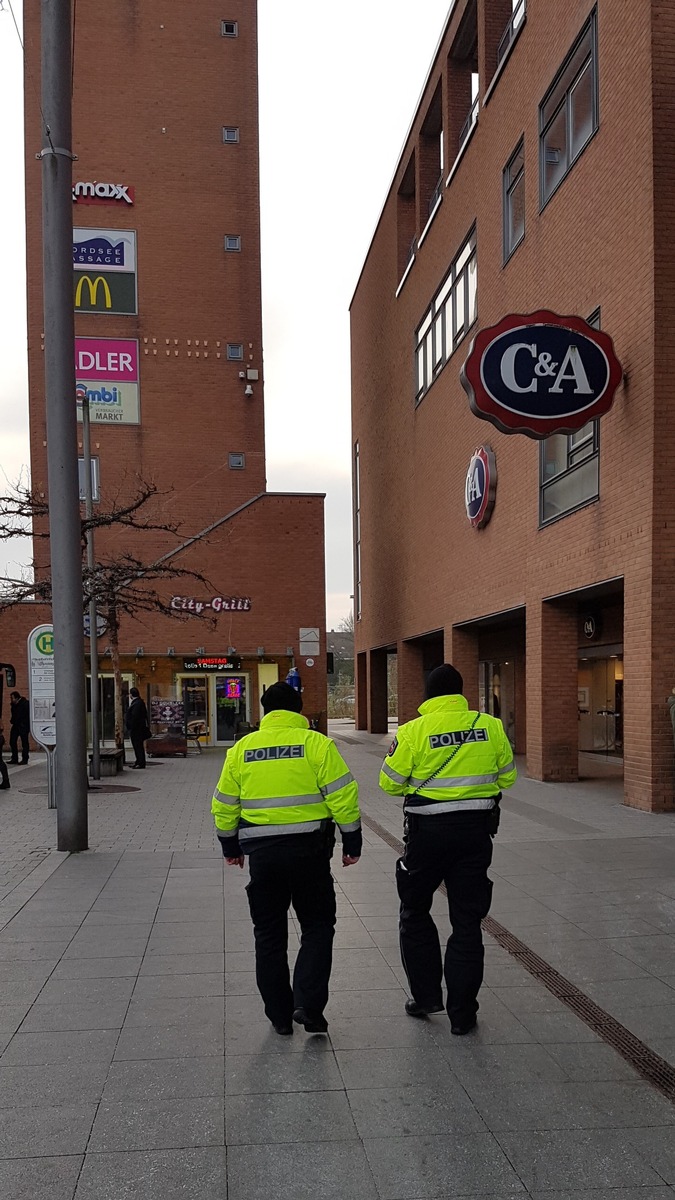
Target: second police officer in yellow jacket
{"points": [[451, 765], [282, 791]]}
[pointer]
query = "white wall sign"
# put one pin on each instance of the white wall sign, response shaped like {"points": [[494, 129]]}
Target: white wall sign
{"points": [[42, 697], [309, 637]]}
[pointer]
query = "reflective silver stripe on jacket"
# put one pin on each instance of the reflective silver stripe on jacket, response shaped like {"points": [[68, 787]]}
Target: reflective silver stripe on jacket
{"points": [[395, 775], [350, 827], [223, 798], [457, 781], [337, 784], [254, 831], [284, 801], [446, 806], [509, 767]]}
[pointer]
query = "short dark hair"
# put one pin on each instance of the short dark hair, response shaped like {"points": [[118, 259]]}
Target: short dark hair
{"points": [[17, 694], [134, 692]]}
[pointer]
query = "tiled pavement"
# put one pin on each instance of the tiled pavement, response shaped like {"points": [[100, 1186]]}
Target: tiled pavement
{"points": [[120, 1079]]}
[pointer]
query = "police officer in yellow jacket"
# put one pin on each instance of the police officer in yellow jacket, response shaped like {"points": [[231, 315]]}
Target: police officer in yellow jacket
{"points": [[279, 794], [450, 764]]}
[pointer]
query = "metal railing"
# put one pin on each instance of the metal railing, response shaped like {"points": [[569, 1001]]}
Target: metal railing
{"points": [[436, 194], [517, 18], [470, 122], [411, 250]]}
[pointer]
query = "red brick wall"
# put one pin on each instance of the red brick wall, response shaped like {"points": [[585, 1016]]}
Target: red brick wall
{"points": [[424, 567]]}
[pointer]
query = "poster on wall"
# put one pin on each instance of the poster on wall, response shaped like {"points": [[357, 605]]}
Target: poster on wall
{"points": [[104, 271], [167, 712], [107, 375]]}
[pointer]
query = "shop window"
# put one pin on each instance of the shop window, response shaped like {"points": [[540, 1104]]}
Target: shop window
{"points": [[230, 133], [514, 200], [568, 114], [448, 320], [569, 472], [232, 242], [95, 479]]}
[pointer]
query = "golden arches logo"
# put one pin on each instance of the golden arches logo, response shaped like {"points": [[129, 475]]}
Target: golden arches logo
{"points": [[93, 285]]}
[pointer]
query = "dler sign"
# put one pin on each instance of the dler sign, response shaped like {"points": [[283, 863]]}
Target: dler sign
{"points": [[541, 374]]}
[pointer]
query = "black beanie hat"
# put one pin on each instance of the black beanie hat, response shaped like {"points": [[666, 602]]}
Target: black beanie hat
{"points": [[444, 681], [281, 695]]}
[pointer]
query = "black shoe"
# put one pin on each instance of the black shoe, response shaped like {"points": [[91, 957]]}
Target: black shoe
{"points": [[414, 1009], [13, 762], [312, 1024], [24, 762], [462, 1027], [282, 1028], [4, 787]]}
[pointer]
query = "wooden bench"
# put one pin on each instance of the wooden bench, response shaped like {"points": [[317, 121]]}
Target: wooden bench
{"points": [[112, 761]]}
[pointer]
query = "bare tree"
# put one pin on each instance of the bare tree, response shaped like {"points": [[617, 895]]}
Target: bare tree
{"points": [[121, 584], [346, 624]]}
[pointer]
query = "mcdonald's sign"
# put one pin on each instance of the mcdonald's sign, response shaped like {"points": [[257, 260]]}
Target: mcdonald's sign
{"points": [[111, 292], [93, 285]]}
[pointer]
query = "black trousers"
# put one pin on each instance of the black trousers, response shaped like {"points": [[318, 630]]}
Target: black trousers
{"points": [[4, 773], [454, 849], [14, 736], [138, 743], [279, 878]]}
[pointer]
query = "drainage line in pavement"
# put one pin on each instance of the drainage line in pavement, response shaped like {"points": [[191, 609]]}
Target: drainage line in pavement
{"points": [[654, 1069]]}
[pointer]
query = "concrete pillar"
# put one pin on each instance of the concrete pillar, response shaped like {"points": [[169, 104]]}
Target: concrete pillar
{"points": [[552, 697], [459, 103], [649, 676], [461, 650], [361, 699], [378, 716], [410, 680]]}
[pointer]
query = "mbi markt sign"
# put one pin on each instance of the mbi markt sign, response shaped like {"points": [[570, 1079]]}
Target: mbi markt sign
{"points": [[540, 374]]}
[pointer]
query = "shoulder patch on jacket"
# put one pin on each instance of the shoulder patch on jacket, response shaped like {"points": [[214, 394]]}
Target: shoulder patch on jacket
{"points": [[392, 749]]}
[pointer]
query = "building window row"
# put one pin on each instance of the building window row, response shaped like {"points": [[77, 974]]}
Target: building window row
{"points": [[568, 114], [451, 314], [357, 532]]}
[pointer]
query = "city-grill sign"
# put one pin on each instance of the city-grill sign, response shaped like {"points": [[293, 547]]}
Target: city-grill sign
{"points": [[216, 604], [480, 487], [94, 192], [540, 373]]}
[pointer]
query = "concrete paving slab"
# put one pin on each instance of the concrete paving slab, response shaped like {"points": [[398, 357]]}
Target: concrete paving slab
{"points": [[40, 1086], [414, 1111], [35, 1049], [300, 1171], [574, 1158], [176, 1041], [47, 1130], [158, 1124], [154, 1175], [289, 1117], [266, 1074], [164, 1079], [444, 1165], [39, 1178]]}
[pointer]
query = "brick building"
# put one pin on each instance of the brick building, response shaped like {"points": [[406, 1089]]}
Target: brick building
{"points": [[537, 173], [167, 294]]}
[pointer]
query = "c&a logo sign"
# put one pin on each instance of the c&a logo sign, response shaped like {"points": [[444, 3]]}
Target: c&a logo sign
{"points": [[481, 487], [541, 374]]}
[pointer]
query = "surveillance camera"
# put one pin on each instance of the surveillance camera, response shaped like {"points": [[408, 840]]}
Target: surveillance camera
{"points": [[242, 374], [248, 390]]}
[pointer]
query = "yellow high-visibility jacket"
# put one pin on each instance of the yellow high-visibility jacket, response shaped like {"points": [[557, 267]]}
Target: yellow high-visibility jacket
{"points": [[284, 779], [480, 768]]}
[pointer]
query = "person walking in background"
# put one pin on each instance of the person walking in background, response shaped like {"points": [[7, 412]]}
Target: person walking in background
{"points": [[450, 764], [4, 773], [280, 790], [138, 727], [19, 727]]}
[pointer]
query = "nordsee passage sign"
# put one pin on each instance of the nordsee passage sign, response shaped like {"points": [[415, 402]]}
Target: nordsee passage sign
{"points": [[540, 374]]}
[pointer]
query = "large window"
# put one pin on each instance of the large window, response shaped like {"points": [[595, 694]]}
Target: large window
{"points": [[514, 200], [568, 114], [569, 472], [357, 532], [451, 314]]}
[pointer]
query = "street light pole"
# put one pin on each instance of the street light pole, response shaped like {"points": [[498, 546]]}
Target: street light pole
{"points": [[64, 493], [93, 615]]}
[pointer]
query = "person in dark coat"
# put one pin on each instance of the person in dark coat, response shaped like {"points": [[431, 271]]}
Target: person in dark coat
{"points": [[4, 773], [20, 727], [138, 728]]}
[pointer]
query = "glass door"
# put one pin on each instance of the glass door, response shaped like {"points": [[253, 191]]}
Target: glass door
{"points": [[230, 707], [195, 694]]}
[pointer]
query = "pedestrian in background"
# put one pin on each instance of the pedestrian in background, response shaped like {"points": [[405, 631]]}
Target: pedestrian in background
{"points": [[138, 728], [4, 773], [450, 764], [19, 721], [279, 794]]}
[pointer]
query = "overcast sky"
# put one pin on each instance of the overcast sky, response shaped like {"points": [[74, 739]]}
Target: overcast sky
{"points": [[338, 88]]}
